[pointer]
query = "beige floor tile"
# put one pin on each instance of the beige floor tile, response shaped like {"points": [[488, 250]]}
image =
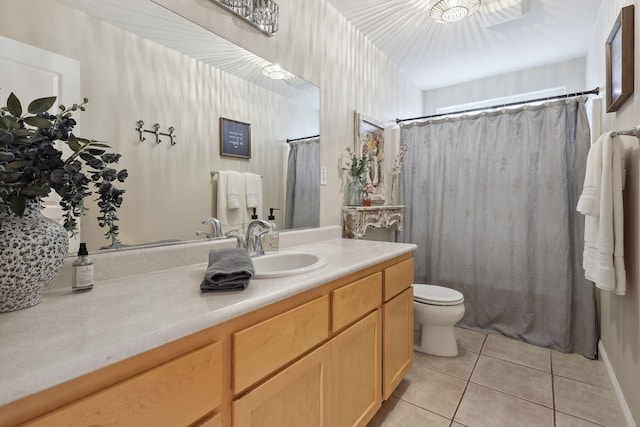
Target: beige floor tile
{"points": [[520, 381], [470, 340], [459, 366], [398, 413], [431, 390], [585, 401], [578, 367], [455, 424], [517, 352], [484, 407], [564, 420]]}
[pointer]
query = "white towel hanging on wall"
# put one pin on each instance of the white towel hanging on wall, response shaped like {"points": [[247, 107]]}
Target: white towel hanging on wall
{"points": [[253, 194], [229, 218], [601, 203]]}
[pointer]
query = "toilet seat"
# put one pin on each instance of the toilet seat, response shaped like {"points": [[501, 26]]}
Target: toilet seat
{"points": [[436, 295]]}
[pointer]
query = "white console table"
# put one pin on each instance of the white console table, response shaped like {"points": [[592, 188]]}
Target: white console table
{"points": [[356, 219]]}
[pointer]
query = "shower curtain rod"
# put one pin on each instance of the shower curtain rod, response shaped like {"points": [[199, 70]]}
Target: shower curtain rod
{"points": [[300, 139], [213, 173], [570, 95]]}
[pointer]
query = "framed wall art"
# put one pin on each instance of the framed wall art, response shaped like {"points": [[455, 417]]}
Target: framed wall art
{"points": [[235, 138], [369, 139], [619, 56]]}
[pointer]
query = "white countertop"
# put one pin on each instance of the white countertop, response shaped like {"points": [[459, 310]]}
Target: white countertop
{"points": [[68, 335]]}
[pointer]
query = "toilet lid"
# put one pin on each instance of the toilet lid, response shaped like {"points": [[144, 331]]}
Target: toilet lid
{"points": [[431, 294]]}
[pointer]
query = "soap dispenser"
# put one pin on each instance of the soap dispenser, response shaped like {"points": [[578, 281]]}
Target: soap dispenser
{"points": [[271, 239], [254, 215]]}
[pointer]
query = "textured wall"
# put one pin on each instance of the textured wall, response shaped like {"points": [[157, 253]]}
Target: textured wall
{"points": [[569, 74]]}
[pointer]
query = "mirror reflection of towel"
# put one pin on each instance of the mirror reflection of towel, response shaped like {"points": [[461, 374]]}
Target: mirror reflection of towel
{"points": [[235, 187], [253, 189], [228, 269]]}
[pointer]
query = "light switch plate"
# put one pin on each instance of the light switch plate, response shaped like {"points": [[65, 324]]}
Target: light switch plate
{"points": [[323, 176]]}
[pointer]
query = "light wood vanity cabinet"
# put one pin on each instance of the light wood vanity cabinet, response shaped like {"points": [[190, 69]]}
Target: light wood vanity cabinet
{"points": [[326, 357]]}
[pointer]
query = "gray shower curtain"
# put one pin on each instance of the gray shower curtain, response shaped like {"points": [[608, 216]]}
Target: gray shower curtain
{"points": [[303, 184], [491, 203]]}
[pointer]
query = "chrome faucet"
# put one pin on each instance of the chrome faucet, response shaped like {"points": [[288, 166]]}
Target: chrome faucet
{"points": [[252, 242], [217, 228]]}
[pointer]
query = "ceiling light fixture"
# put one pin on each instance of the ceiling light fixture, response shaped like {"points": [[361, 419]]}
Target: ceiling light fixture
{"points": [[449, 11], [275, 71]]}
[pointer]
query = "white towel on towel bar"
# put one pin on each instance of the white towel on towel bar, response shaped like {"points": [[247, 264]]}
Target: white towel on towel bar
{"points": [[229, 218], [248, 211], [235, 190], [603, 257], [252, 188]]}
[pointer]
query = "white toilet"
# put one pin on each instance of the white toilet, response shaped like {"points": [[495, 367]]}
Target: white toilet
{"points": [[437, 309]]}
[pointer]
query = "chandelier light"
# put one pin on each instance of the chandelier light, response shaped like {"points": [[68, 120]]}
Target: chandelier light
{"points": [[449, 11]]}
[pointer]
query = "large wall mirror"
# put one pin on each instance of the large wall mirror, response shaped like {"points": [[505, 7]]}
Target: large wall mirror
{"points": [[139, 61]]}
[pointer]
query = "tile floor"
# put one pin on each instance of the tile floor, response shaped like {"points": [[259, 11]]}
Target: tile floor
{"points": [[497, 381]]}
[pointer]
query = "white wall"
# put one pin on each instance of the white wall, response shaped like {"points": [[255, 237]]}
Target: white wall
{"points": [[569, 74], [620, 315], [128, 79]]}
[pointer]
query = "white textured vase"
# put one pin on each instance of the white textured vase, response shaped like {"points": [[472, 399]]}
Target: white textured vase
{"points": [[32, 250]]}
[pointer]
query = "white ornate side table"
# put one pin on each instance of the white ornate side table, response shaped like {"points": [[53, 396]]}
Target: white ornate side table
{"points": [[356, 219]]}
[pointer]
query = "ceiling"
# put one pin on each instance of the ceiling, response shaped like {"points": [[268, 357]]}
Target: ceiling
{"points": [[435, 55]]}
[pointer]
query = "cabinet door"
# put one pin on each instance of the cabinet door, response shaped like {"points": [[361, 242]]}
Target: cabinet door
{"points": [[356, 373], [397, 345], [297, 396]]}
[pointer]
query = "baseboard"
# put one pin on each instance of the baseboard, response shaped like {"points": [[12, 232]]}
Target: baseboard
{"points": [[615, 386]]}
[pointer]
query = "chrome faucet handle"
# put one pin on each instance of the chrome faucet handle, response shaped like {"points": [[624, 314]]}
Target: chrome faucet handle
{"points": [[204, 233], [255, 247], [252, 241], [215, 223], [235, 230]]}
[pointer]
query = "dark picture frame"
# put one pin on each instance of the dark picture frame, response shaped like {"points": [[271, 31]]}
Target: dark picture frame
{"points": [[619, 56], [235, 138]]}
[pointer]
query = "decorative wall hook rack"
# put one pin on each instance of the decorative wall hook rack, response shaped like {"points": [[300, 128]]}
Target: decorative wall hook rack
{"points": [[156, 130]]}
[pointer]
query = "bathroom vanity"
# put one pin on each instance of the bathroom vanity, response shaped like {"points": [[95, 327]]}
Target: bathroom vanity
{"points": [[323, 348]]}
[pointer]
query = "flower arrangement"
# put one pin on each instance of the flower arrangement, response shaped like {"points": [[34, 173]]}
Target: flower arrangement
{"points": [[31, 165], [369, 188], [358, 165]]}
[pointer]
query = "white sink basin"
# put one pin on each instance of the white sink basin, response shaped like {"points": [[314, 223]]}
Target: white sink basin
{"points": [[283, 264]]}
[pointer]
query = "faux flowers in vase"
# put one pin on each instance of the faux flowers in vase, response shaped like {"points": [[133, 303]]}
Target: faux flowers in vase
{"points": [[357, 166], [32, 164], [368, 189]]}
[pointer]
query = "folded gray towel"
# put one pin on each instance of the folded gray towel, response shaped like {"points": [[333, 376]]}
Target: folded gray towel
{"points": [[228, 269]]}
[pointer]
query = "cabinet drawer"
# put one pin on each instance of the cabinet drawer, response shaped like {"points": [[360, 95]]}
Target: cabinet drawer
{"points": [[177, 393], [351, 302], [397, 278], [263, 348]]}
